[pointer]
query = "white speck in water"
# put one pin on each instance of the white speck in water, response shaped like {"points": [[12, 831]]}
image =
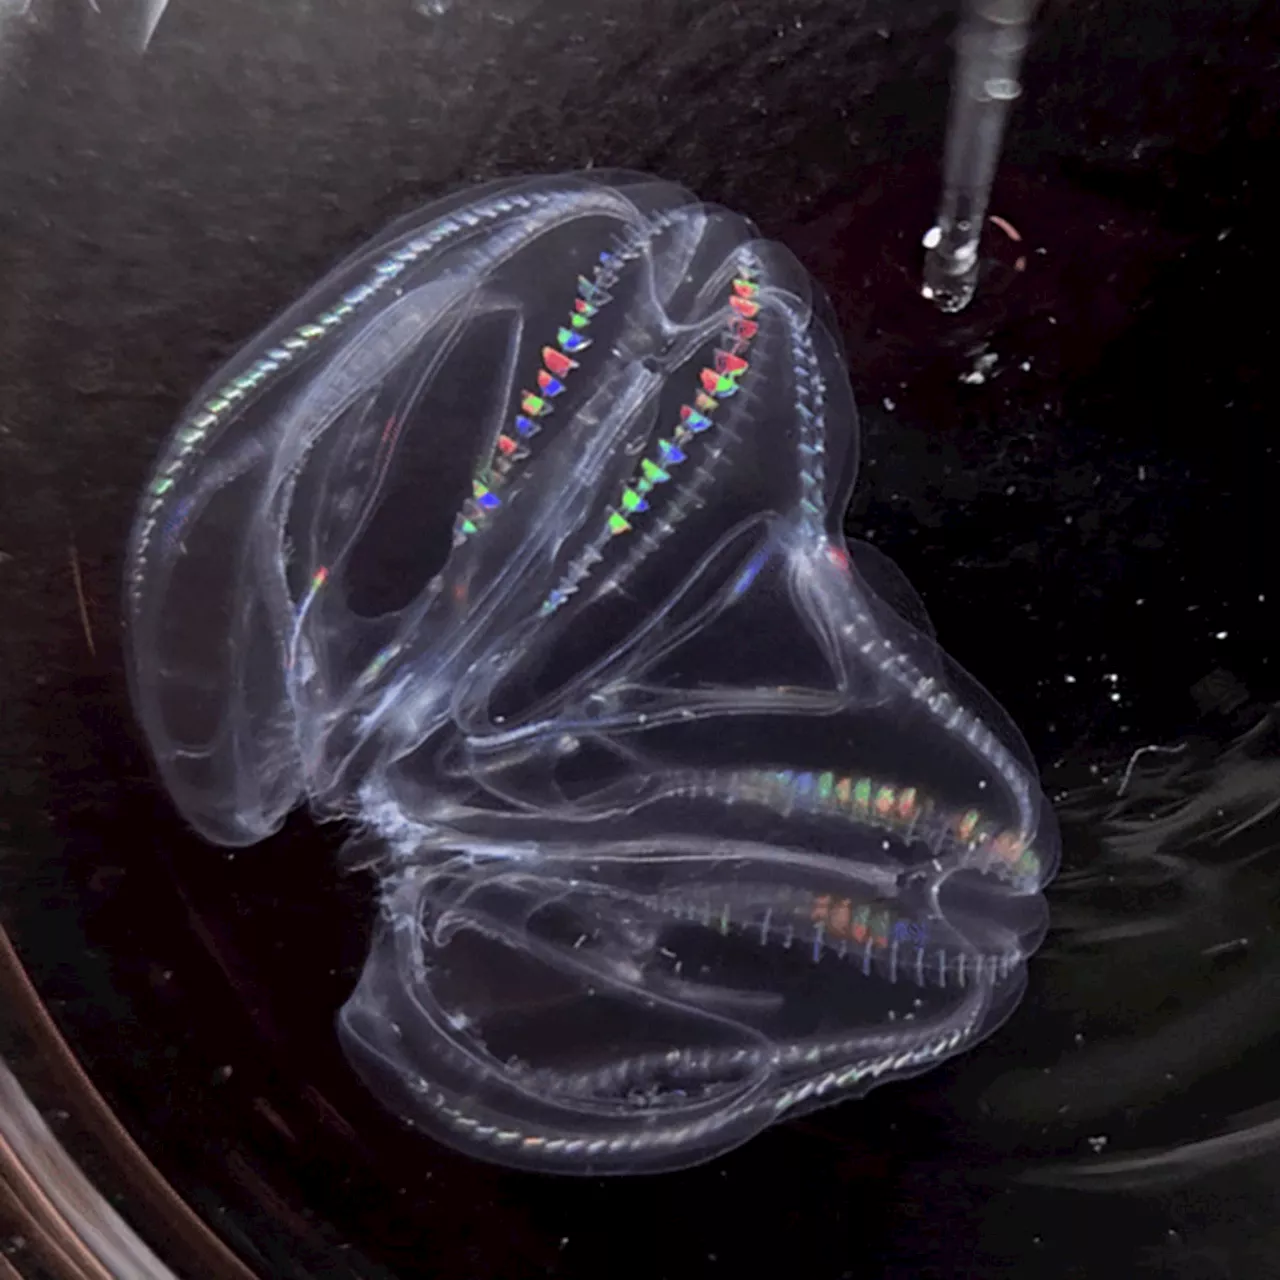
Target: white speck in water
{"points": [[1220, 635], [982, 365], [1070, 679], [890, 405]]}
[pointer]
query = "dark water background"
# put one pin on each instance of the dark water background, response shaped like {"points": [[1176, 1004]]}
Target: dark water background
{"points": [[1078, 474]]}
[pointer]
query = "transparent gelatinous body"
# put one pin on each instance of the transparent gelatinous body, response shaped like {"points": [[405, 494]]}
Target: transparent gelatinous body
{"points": [[517, 544]]}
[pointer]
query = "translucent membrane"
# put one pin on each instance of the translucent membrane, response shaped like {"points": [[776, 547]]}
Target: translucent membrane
{"points": [[517, 544]]}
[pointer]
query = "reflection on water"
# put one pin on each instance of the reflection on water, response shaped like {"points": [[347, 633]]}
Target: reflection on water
{"points": [[1163, 962]]}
